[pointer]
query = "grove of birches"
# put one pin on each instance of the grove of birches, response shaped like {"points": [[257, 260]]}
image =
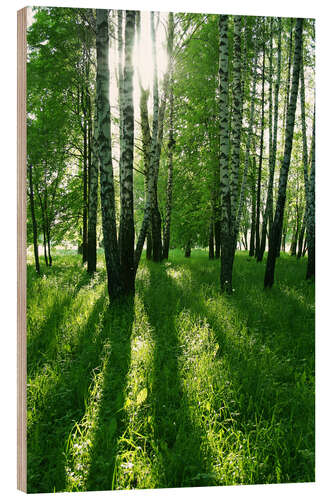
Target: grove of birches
{"points": [[171, 249]]}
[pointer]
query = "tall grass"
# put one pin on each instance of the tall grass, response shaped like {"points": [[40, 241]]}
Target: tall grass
{"points": [[179, 386]]}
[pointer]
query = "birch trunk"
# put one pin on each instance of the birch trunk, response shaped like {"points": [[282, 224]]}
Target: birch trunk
{"points": [[280, 204], [262, 127], [33, 219], [105, 158], [247, 148], [211, 240], [126, 230], [236, 122], [253, 210], [171, 142], [310, 272], [93, 192], [85, 196], [227, 229], [268, 216]]}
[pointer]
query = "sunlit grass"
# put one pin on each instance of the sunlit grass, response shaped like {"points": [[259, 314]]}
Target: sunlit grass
{"points": [[181, 386]]}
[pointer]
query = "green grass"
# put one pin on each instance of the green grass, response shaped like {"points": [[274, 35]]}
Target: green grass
{"points": [[179, 386]]}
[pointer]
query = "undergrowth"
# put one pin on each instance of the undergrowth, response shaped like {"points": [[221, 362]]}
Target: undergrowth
{"points": [[177, 386]]}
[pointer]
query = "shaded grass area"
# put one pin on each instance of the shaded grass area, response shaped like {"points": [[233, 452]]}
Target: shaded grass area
{"points": [[178, 386]]}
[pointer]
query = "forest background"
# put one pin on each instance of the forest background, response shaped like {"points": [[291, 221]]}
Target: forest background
{"points": [[324, 177]]}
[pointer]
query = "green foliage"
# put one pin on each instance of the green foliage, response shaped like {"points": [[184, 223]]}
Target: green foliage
{"points": [[181, 386]]}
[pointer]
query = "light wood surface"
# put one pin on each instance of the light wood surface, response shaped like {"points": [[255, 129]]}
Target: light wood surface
{"points": [[21, 251]]}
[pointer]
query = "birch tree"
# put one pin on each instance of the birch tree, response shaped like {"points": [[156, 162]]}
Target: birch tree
{"points": [[290, 121], [310, 272], [112, 258], [227, 227], [93, 192], [33, 218], [126, 230]]}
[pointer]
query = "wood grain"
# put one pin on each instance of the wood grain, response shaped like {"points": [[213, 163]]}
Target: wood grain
{"points": [[21, 251]]}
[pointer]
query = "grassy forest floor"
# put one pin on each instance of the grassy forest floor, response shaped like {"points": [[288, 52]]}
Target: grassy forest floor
{"points": [[180, 386]]}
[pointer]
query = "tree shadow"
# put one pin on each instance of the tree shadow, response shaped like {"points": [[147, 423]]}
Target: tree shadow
{"points": [[58, 403], [177, 438], [266, 362], [111, 420], [41, 337]]}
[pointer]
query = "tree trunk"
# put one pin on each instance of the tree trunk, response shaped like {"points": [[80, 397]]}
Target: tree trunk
{"points": [[149, 244], [211, 240], [85, 195], [248, 145], [156, 216], [49, 245], [301, 239], [310, 272], [33, 219], [93, 192], [253, 210], [171, 143], [280, 204], [262, 126], [188, 249], [227, 228], [236, 122], [294, 240], [268, 216], [126, 230], [217, 234], [105, 158]]}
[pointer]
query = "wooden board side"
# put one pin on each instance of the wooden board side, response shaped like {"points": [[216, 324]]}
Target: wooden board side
{"points": [[21, 251]]}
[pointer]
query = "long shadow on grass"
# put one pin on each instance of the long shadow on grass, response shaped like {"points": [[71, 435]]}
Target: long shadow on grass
{"points": [[266, 347], [178, 439], [111, 420], [62, 403], [41, 341]]}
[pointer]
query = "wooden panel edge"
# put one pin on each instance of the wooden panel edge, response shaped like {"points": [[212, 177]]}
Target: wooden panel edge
{"points": [[21, 251]]}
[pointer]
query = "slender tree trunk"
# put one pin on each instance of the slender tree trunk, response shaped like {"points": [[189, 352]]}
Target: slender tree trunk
{"points": [[85, 195], [278, 218], [262, 127], [301, 239], [156, 216], [310, 272], [227, 229], [305, 246], [105, 158], [33, 219], [47, 223], [290, 56], [294, 239], [248, 145], [211, 240], [253, 210], [245, 240], [148, 151], [188, 249], [217, 234], [93, 192], [49, 245], [283, 240], [126, 230], [236, 122], [45, 246], [268, 215], [44, 227], [171, 142]]}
